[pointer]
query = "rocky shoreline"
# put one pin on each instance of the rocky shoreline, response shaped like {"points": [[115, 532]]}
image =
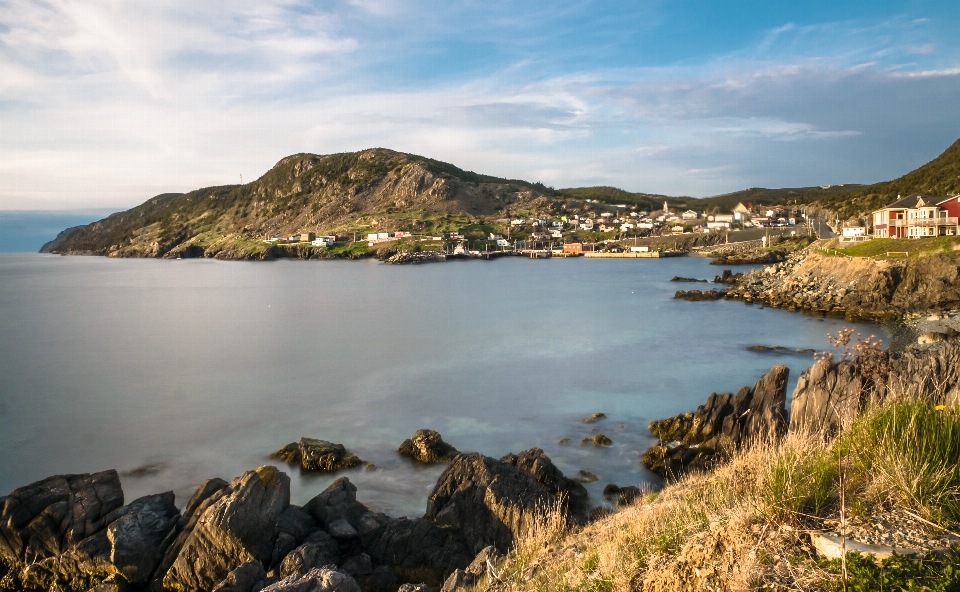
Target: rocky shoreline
{"points": [[75, 533]]}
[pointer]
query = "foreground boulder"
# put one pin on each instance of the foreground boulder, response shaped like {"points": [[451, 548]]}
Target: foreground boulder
{"points": [[491, 502], [428, 447], [317, 455], [539, 465], [720, 426], [316, 580], [237, 528]]}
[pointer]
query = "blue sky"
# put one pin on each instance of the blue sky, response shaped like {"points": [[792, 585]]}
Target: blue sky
{"points": [[104, 103]]}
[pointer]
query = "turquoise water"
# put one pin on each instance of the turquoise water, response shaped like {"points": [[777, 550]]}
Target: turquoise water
{"points": [[177, 371]]}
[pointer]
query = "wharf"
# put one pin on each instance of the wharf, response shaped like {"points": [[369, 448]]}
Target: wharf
{"points": [[641, 255]]}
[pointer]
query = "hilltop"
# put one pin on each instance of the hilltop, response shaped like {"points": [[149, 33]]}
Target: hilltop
{"points": [[345, 193]]}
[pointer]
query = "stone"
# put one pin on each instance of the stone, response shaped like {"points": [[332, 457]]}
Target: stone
{"points": [[240, 526], [427, 446], [138, 533], [594, 418], [535, 462], [414, 588], [585, 477], [324, 579], [244, 578], [828, 546], [320, 549], [341, 529], [597, 440], [358, 565], [720, 426], [611, 489], [45, 518], [932, 337], [383, 579], [827, 395], [414, 545], [320, 455], [628, 495], [489, 501], [337, 501]]}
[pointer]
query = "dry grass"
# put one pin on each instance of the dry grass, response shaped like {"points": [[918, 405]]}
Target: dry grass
{"points": [[743, 526]]}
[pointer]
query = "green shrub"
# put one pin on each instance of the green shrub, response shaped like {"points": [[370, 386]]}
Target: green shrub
{"points": [[935, 574]]}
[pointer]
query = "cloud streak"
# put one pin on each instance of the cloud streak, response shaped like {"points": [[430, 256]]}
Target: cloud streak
{"points": [[105, 104]]}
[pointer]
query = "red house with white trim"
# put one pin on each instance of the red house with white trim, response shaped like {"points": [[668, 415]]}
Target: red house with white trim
{"points": [[918, 216]]}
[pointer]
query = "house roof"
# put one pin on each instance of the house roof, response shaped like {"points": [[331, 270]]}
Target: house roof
{"points": [[914, 200]]}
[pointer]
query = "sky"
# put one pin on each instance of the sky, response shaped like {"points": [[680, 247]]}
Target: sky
{"points": [[104, 104]]}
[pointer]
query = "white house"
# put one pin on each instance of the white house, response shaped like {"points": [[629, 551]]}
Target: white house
{"points": [[689, 215], [323, 241]]}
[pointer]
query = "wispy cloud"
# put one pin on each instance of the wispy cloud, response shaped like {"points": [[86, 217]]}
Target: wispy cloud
{"points": [[106, 104]]}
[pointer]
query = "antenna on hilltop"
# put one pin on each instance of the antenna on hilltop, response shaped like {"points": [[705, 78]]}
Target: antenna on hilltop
{"points": [[241, 179]]}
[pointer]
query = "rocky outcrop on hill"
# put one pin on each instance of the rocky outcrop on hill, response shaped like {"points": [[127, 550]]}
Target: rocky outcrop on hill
{"points": [[691, 441], [750, 257], [317, 455], [491, 502], [538, 464], [428, 447], [855, 287], [402, 257]]}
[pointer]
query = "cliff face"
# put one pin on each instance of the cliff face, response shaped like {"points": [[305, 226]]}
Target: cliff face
{"points": [[303, 192]]}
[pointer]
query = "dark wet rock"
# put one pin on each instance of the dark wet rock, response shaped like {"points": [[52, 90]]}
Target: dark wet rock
{"points": [[45, 518], [320, 549], [538, 464], [414, 588], [585, 477], [317, 455], [628, 495], [693, 441], [248, 577], [414, 546], [336, 502], [428, 447], [598, 440], [611, 489], [489, 501], [358, 565], [138, 533], [563, 441], [594, 418], [383, 579], [780, 350], [700, 295], [468, 577], [241, 526], [324, 579], [677, 278], [726, 277]]}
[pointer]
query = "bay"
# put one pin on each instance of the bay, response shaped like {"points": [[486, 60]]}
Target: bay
{"points": [[174, 372]]}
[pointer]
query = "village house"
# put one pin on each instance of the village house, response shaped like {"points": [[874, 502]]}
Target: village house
{"points": [[690, 215], [917, 216]]}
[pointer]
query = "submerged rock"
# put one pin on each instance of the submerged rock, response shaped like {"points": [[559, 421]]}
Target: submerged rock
{"points": [[698, 295], [597, 440], [317, 455], [594, 418], [428, 447]]}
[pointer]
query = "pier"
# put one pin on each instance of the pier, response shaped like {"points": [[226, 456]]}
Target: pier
{"points": [[639, 255]]}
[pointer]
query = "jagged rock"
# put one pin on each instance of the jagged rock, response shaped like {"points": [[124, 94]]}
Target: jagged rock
{"points": [[628, 494], [137, 535], [413, 545], [538, 464], [45, 518], [358, 565], [827, 394], [467, 578], [414, 588], [383, 579], [720, 426], [317, 455], [319, 550], [316, 580], [491, 502], [241, 526], [779, 349], [427, 446], [244, 578], [597, 440], [338, 501], [932, 337], [726, 277], [594, 418], [678, 278]]}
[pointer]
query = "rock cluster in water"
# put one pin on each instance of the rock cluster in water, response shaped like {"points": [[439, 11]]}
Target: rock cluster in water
{"points": [[317, 455], [428, 447], [74, 532]]}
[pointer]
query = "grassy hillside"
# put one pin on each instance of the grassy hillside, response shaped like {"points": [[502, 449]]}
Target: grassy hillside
{"points": [[940, 176]]}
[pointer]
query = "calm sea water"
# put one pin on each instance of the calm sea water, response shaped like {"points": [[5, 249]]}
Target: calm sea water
{"points": [[173, 372]]}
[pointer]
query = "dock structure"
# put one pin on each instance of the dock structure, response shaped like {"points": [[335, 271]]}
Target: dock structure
{"points": [[634, 255], [537, 253]]}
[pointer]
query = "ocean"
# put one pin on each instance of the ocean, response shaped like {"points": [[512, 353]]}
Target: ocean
{"points": [[173, 372]]}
